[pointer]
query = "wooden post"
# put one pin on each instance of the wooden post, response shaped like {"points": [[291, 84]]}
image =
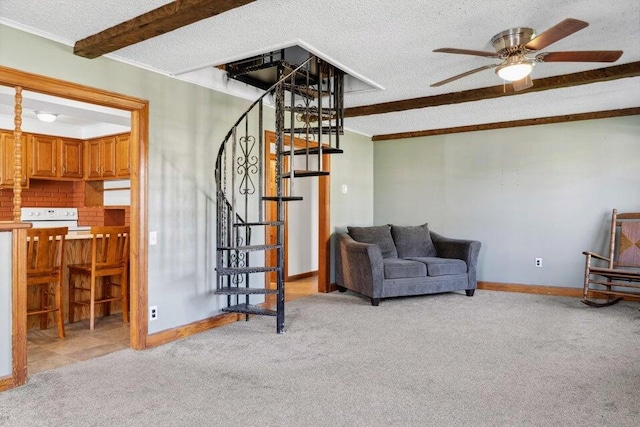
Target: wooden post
{"points": [[17, 174]]}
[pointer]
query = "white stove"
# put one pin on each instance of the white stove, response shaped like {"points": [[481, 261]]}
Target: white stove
{"points": [[52, 217]]}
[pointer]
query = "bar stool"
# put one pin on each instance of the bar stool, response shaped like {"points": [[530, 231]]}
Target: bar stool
{"points": [[109, 258], [45, 256]]}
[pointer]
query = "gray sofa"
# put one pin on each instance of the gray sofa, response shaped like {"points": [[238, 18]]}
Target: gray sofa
{"points": [[390, 261]]}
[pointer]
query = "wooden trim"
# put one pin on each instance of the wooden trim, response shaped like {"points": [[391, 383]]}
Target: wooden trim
{"points": [[559, 291], [9, 226], [324, 227], [139, 130], [63, 89], [510, 124], [184, 331], [302, 276], [139, 262], [19, 306], [531, 289], [164, 19], [631, 69], [7, 383]]}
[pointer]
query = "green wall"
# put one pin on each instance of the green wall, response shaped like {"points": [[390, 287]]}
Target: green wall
{"points": [[539, 191], [186, 126]]}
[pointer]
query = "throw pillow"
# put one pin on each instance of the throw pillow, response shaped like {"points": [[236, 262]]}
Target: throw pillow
{"points": [[413, 241], [378, 235]]}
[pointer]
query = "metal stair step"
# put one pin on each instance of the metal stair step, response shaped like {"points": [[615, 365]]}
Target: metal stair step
{"points": [[256, 224], [282, 198], [313, 151], [249, 309], [326, 130], [304, 174], [244, 270], [234, 290], [249, 248]]}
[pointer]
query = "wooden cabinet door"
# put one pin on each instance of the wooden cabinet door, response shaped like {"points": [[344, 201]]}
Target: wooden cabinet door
{"points": [[123, 157], [71, 159], [44, 156], [108, 159], [92, 159], [7, 159]]}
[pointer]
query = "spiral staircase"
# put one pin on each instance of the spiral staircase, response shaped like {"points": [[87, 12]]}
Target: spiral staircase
{"points": [[308, 101]]}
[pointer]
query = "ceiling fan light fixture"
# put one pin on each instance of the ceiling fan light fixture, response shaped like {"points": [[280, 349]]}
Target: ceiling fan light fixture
{"points": [[514, 68], [46, 117]]}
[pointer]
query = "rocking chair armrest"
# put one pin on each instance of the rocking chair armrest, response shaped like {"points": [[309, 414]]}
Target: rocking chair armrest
{"points": [[594, 255]]}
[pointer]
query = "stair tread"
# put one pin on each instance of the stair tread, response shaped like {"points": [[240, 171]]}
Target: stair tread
{"points": [[305, 173], [249, 309], [282, 198], [255, 224], [326, 130], [245, 270], [313, 150], [249, 248], [234, 290]]}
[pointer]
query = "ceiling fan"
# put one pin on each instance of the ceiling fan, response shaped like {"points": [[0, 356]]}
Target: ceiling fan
{"points": [[516, 47]]}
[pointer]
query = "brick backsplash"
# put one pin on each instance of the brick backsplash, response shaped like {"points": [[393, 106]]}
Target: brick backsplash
{"points": [[58, 194]]}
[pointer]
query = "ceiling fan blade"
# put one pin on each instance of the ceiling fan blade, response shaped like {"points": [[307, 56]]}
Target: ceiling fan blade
{"points": [[468, 73], [555, 33], [580, 56], [468, 52]]}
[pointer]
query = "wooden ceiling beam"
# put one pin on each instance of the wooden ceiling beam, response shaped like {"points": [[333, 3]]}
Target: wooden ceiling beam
{"points": [[631, 69], [510, 124], [164, 19]]}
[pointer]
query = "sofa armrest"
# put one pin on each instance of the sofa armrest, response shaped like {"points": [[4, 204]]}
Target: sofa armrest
{"points": [[362, 268], [466, 250]]}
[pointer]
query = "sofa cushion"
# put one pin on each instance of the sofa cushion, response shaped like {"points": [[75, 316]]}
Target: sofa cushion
{"points": [[396, 268], [378, 235], [413, 241], [442, 266]]}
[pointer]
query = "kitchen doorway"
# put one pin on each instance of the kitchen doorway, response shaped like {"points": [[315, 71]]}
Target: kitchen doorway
{"points": [[139, 110]]}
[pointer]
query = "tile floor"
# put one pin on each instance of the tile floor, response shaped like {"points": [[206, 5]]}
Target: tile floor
{"points": [[46, 351]]}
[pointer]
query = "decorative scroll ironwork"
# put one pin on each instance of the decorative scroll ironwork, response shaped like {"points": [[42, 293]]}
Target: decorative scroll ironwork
{"points": [[247, 165]]}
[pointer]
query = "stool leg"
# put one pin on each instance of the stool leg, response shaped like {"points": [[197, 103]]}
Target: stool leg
{"points": [[92, 301], [72, 297], [44, 295], [124, 288], [59, 307]]}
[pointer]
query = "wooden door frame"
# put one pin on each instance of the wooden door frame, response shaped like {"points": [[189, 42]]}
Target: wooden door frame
{"points": [[324, 211], [139, 110]]}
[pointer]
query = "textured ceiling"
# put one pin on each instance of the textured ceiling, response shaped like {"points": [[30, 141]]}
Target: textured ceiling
{"points": [[389, 42]]}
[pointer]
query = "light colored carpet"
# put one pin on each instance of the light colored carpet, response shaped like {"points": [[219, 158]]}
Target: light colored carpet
{"points": [[497, 359]]}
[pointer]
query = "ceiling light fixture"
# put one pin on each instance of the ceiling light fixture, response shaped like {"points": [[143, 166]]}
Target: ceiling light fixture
{"points": [[46, 117], [515, 68]]}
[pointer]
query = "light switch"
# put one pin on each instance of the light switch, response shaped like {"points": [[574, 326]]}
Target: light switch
{"points": [[344, 189], [153, 237]]}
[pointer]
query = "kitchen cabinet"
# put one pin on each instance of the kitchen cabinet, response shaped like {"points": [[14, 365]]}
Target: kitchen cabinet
{"points": [[123, 156], [71, 159], [44, 156], [100, 158], [7, 160], [56, 158]]}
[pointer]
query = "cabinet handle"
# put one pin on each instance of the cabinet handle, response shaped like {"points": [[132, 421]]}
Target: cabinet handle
{"points": [[64, 169]]}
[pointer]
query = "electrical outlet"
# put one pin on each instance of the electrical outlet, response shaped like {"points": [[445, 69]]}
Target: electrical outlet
{"points": [[153, 312], [539, 262]]}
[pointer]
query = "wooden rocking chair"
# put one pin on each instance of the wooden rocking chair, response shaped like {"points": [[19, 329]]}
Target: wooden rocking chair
{"points": [[623, 264]]}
